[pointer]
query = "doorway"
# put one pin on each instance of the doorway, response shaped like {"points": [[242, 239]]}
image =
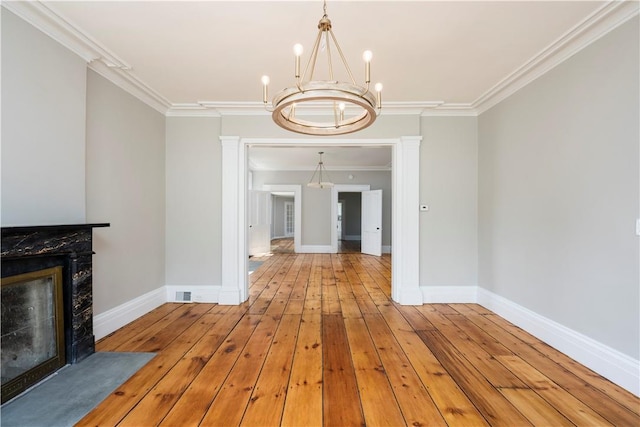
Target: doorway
{"points": [[404, 223]]}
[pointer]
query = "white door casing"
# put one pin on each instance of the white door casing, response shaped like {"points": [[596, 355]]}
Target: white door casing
{"points": [[405, 271], [371, 222]]}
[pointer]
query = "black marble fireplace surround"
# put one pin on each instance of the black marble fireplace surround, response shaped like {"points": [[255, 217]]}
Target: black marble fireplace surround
{"points": [[34, 248]]}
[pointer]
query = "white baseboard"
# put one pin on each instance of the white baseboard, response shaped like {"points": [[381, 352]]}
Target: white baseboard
{"points": [[449, 294], [606, 361], [386, 249], [199, 293], [117, 317], [352, 237], [315, 249]]}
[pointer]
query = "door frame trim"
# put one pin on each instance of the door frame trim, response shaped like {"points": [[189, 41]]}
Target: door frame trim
{"points": [[341, 188], [405, 268]]}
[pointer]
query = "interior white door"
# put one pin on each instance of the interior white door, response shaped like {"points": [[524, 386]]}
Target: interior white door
{"points": [[289, 219], [259, 222], [371, 222]]}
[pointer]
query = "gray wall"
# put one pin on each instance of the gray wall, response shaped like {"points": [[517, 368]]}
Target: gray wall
{"points": [[559, 193], [449, 186], [125, 187], [43, 128], [316, 203], [352, 214], [194, 208]]}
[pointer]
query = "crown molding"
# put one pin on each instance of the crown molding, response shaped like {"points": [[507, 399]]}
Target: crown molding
{"points": [[219, 109], [607, 18], [191, 110], [128, 82], [98, 57]]}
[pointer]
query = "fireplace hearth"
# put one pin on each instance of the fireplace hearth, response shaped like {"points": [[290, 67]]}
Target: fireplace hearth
{"points": [[26, 251]]}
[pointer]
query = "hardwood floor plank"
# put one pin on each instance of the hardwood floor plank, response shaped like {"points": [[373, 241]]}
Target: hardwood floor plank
{"points": [[492, 405], [621, 396], [113, 341], [145, 337], [415, 319], [535, 408], [452, 402], [601, 402], [227, 409], [483, 361], [124, 398], [294, 306], [576, 411], [341, 402], [376, 395], [267, 400], [303, 406], [196, 400], [156, 404], [598, 382], [413, 398]]}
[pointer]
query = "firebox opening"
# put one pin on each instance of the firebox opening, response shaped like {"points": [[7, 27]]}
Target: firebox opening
{"points": [[32, 342]]}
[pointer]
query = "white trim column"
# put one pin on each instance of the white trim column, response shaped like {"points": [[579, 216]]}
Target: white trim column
{"points": [[234, 264], [406, 241]]}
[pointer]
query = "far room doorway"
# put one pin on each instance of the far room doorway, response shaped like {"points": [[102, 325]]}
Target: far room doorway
{"points": [[404, 219]]}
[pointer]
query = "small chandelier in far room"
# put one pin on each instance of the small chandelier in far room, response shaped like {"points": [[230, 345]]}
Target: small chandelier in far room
{"points": [[353, 107], [320, 173]]}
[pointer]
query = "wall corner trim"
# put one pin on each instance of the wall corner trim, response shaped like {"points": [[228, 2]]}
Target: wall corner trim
{"points": [[606, 361]]}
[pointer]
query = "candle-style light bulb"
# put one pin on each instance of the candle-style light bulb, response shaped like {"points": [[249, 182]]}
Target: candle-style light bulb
{"points": [[367, 55], [379, 95], [341, 107], [265, 88], [297, 50]]}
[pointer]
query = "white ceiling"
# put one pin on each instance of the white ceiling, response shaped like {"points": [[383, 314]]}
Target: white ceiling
{"points": [[424, 51], [209, 55]]}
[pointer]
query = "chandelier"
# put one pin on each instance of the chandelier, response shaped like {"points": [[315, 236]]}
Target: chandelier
{"points": [[320, 173], [353, 107]]}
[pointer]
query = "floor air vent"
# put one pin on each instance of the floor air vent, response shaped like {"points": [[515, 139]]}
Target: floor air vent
{"points": [[183, 296]]}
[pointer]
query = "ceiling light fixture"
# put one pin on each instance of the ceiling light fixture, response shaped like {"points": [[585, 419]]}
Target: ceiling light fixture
{"points": [[320, 170], [353, 107]]}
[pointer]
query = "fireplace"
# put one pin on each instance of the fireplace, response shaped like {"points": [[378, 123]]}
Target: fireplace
{"points": [[47, 302]]}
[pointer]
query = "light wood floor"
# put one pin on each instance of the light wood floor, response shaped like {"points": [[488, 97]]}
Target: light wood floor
{"points": [[320, 343], [285, 246]]}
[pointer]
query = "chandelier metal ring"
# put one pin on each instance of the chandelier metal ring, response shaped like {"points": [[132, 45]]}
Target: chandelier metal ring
{"points": [[316, 94]]}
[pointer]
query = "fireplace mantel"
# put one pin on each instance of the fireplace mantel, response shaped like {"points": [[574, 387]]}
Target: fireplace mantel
{"points": [[31, 248]]}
